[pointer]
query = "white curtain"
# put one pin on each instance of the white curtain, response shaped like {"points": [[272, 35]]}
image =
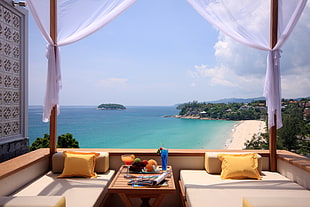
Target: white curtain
{"points": [[76, 19], [248, 22]]}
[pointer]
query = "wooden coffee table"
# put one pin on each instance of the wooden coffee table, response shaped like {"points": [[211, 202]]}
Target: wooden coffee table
{"points": [[119, 185]]}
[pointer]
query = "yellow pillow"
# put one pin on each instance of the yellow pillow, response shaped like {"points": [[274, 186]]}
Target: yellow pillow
{"points": [[239, 166], [79, 164]]}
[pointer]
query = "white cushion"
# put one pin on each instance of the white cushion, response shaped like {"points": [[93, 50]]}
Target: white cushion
{"points": [[276, 201], [32, 201], [78, 191], [202, 188]]}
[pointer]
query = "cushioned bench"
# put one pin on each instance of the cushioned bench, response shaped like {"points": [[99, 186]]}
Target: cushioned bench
{"points": [[32, 201], [276, 201], [207, 188], [78, 191]]}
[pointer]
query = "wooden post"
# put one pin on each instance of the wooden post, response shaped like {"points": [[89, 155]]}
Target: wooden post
{"points": [[53, 130], [274, 23], [273, 146], [53, 116], [273, 129]]}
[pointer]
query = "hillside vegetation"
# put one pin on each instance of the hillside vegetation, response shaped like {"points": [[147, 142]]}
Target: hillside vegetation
{"points": [[293, 136], [231, 111]]}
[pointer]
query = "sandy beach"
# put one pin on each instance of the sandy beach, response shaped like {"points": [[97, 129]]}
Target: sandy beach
{"points": [[244, 131]]}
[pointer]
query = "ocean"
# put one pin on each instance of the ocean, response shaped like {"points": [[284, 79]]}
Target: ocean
{"points": [[145, 127]]}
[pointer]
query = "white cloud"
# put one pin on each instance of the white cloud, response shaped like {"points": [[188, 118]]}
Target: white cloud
{"points": [[223, 76], [216, 76], [297, 84], [243, 60], [243, 68], [295, 61]]}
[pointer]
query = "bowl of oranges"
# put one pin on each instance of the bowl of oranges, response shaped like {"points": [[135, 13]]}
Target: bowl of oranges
{"points": [[144, 166]]}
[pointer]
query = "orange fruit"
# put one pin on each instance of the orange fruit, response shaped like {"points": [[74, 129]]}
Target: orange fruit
{"points": [[149, 167], [152, 162]]}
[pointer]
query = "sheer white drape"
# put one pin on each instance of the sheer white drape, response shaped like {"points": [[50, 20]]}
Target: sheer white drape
{"points": [[76, 19], [249, 23]]}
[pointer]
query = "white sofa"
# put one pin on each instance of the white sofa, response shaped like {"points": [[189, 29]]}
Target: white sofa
{"points": [[78, 192], [206, 188]]}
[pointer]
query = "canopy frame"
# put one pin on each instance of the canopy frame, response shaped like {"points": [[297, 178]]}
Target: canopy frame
{"points": [[54, 44], [53, 116], [273, 130]]}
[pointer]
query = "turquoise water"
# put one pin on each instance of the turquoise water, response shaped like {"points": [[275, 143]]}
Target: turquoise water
{"points": [[135, 127]]}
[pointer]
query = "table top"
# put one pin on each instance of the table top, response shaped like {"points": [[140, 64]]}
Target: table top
{"points": [[119, 184]]}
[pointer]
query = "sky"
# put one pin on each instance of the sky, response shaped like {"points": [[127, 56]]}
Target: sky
{"points": [[162, 53]]}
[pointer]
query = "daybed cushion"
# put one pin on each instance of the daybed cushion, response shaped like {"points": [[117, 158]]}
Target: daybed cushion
{"points": [[77, 191], [259, 201], [79, 164], [213, 164], [32, 201], [101, 166], [204, 189], [239, 166]]}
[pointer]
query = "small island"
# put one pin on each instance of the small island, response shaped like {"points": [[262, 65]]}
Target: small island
{"points": [[111, 107]]}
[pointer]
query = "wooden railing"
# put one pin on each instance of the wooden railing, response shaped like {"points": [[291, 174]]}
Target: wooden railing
{"points": [[179, 158]]}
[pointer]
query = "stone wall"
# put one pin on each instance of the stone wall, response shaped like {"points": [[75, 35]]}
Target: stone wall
{"points": [[13, 149]]}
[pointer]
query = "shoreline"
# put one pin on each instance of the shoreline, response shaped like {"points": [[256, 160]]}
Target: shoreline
{"points": [[195, 117], [243, 131]]}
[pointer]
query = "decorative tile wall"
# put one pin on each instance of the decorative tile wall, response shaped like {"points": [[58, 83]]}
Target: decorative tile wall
{"points": [[11, 74]]}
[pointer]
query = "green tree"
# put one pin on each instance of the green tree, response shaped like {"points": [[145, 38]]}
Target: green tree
{"points": [[41, 142], [295, 133], [257, 142], [63, 141], [231, 111], [292, 127], [304, 148], [67, 141]]}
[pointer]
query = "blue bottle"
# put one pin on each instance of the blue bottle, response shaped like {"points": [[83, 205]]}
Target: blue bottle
{"points": [[164, 158]]}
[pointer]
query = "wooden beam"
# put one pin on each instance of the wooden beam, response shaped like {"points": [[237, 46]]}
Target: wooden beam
{"points": [[273, 42], [274, 23], [53, 130], [53, 116], [273, 147]]}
